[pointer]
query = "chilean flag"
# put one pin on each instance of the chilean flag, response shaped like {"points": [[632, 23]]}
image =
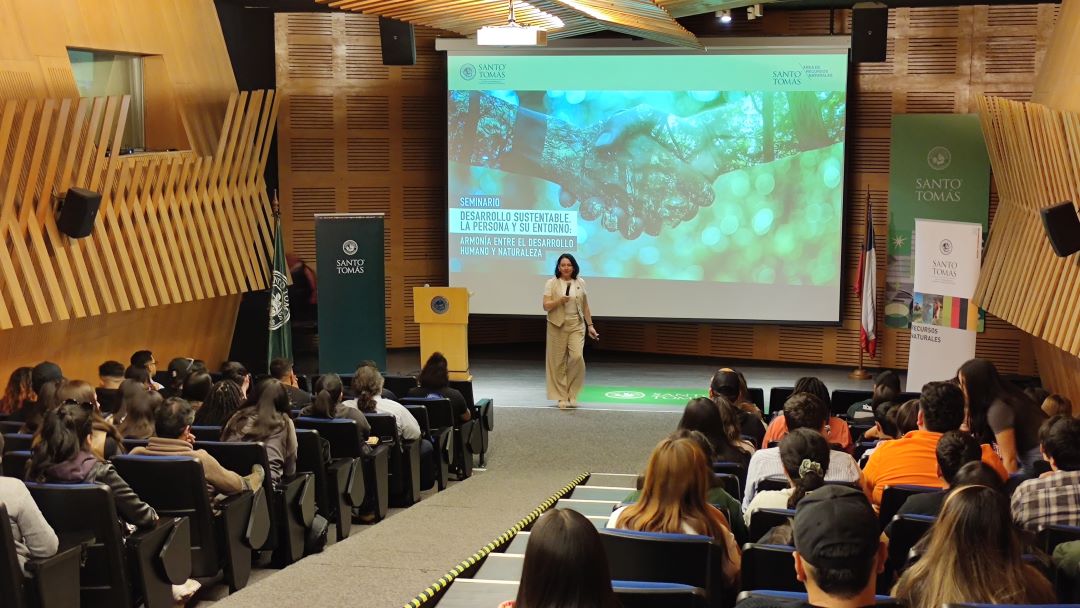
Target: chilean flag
{"points": [[866, 288]]}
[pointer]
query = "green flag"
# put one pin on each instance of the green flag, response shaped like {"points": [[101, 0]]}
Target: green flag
{"points": [[280, 328]]}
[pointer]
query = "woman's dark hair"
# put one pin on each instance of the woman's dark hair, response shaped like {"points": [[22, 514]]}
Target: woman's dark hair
{"points": [[63, 434], [573, 262], [702, 415], [139, 412], [197, 387], [328, 391], [906, 417], [130, 389], [982, 385], [234, 372], [198, 365], [435, 375], [367, 383], [885, 417], [805, 456], [814, 386], [222, 402], [977, 473], [565, 565], [269, 402], [45, 402], [19, 389], [138, 373]]}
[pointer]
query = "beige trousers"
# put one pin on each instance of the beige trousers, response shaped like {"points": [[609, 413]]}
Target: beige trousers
{"points": [[565, 361]]}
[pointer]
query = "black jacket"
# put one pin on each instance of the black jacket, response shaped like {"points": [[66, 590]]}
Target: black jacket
{"points": [[85, 468]]}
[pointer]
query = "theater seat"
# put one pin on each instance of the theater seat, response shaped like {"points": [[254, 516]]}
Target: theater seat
{"points": [[905, 531], [346, 441], [54, 582], [842, 400], [763, 520], [894, 497], [796, 597], [17, 442], [685, 559], [14, 464], [778, 395], [404, 463], [637, 594], [769, 567], [332, 476]]}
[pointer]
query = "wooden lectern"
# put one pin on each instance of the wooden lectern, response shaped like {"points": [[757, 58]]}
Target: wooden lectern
{"points": [[443, 315]]}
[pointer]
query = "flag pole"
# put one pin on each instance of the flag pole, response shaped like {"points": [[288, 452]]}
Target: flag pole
{"points": [[860, 373]]}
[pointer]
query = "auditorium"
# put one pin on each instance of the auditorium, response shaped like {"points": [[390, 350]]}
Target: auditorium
{"points": [[539, 303]]}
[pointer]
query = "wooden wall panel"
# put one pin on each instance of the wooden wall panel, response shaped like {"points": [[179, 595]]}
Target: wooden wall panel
{"points": [[939, 60]]}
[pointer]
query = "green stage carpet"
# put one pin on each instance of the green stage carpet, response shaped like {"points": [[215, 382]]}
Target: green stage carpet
{"points": [[638, 395]]}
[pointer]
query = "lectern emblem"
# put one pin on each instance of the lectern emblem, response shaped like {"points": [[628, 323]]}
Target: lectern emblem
{"points": [[440, 305]]}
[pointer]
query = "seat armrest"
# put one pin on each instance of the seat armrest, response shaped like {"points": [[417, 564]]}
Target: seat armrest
{"points": [[56, 578]]}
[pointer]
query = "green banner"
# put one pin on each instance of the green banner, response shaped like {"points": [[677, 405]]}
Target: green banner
{"points": [[352, 308], [639, 395], [280, 317], [940, 170]]}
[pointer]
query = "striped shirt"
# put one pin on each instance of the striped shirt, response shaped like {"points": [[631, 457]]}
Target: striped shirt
{"points": [[764, 463]]}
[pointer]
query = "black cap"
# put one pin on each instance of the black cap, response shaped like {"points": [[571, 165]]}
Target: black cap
{"points": [[43, 372], [835, 527]]}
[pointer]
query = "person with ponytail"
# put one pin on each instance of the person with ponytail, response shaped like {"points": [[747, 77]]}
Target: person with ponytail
{"points": [[265, 418], [224, 399], [328, 404], [805, 456], [62, 455], [105, 440]]}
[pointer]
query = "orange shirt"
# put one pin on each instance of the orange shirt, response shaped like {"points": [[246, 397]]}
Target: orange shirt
{"points": [[839, 433], [912, 460]]}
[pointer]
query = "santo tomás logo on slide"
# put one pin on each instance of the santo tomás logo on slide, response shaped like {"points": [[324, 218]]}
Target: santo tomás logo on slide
{"points": [[624, 395], [939, 158], [467, 71], [350, 247], [945, 247]]}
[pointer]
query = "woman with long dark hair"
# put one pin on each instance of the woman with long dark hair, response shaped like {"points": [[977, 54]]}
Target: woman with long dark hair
{"points": [[62, 455], [972, 555], [717, 420], [1000, 413], [265, 418], [805, 456], [434, 381], [196, 389], [224, 400], [328, 403], [730, 384], [568, 321], [105, 440], [138, 422], [565, 565], [18, 390]]}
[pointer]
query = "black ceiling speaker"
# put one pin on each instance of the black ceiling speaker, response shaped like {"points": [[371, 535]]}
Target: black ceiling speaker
{"points": [[77, 212], [1062, 228], [398, 42], [869, 32]]}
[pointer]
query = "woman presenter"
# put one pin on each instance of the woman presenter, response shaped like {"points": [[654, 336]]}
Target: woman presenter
{"points": [[568, 320]]}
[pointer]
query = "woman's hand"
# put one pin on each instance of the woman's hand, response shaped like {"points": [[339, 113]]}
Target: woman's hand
{"points": [[593, 333]]}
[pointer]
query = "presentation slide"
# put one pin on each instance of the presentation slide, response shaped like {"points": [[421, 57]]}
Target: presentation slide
{"points": [[704, 186]]}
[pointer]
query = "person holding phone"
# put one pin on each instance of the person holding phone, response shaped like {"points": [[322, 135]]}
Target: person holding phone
{"points": [[568, 321]]}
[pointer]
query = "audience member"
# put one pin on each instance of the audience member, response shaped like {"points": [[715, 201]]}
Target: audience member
{"points": [[954, 450], [804, 454], [1053, 498], [198, 365], [912, 459], [1057, 405], [282, 369], [1001, 413], [45, 378], [172, 437], [972, 555], [139, 415], [236, 373], [802, 411], [140, 375], [434, 381], [225, 398], [265, 418], [386, 393], [906, 417], [886, 388], [179, 369], [731, 385], [836, 430], [19, 389], [145, 359], [63, 456], [196, 389], [718, 422], [105, 441], [111, 374], [565, 565], [884, 428], [34, 537], [674, 499], [838, 553], [328, 404]]}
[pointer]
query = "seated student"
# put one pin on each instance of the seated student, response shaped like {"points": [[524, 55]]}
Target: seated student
{"points": [[805, 456], [63, 456], [1057, 405], [674, 499], [884, 428], [236, 373], [886, 388], [434, 381], [801, 411], [18, 390], [731, 385], [265, 418], [564, 565], [718, 496], [836, 430], [111, 374], [105, 440], [225, 398], [838, 553], [282, 369], [386, 393], [328, 404], [179, 369], [718, 421], [34, 537], [144, 359], [138, 422], [140, 375], [972, 554], [367, 383], [912, 459], [953, 451], [1053, 498], [172, 430], [906, 417], [45, 378], [196, 389]]}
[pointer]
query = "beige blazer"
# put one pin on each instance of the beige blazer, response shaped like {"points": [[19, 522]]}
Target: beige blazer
{"points": [[555, 289]]}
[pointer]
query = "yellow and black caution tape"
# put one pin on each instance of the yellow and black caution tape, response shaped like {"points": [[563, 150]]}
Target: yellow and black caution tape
{"points": [[425, 596]]}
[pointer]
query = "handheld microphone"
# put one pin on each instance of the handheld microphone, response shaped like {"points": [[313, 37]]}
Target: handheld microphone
{"points": [[568, 289]]}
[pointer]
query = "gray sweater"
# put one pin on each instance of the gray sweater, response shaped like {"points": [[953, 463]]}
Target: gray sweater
{"points": [[33, 535]]}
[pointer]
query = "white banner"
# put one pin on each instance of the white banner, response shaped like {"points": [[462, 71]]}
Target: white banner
{"points": [[947, 261]]}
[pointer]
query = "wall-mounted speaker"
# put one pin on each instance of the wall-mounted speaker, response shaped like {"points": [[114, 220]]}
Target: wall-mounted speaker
{"points": [[869, 33], [77, 212], [1062, 226], [398, 42]]}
